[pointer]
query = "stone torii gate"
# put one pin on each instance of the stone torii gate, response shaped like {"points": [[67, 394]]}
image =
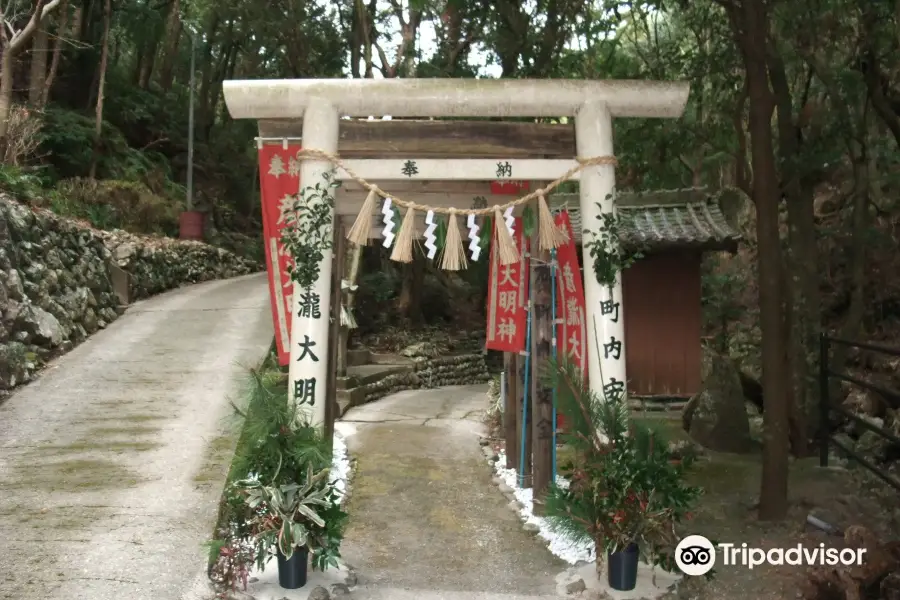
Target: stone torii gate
{"points": [[322, 102]]}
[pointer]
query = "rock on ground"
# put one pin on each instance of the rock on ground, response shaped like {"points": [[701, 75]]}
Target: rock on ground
{"points": [[716, 417]]}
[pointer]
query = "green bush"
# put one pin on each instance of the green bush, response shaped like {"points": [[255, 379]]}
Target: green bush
{"points": [[67, 140], [113, 203], [19, 183]]}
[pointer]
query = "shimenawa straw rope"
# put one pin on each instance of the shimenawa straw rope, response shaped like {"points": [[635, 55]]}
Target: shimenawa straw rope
{"points": [[403, 245], [506, 245], [359, 233], [454, 256], [550, 236]]}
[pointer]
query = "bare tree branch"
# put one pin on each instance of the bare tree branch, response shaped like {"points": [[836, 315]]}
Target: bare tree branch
{"points": [[22, 37]]}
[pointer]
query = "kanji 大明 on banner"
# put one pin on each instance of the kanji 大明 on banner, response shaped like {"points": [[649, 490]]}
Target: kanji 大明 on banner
{"points": [[279, 180], [508, 298], [571, 332]]}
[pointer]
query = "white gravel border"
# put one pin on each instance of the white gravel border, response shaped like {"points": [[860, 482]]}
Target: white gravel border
{"points": [[340, 467], [573, 552]]}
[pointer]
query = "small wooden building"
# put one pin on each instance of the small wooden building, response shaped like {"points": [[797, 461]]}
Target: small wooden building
{"points": [[661, 290]]}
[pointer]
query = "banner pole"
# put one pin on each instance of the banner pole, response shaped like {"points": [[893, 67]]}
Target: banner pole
{"points": [[553, 320], [525, 397]]}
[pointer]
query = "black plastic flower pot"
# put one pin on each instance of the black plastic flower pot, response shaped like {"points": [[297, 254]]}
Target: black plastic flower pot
{"points": [[292, 571], [622, 567]]}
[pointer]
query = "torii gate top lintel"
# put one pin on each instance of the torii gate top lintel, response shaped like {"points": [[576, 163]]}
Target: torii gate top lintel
{"points": [[289, 98]]}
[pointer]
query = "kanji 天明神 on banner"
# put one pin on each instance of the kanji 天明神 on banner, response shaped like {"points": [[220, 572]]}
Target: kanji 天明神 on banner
{"points": [[571, 332], [279, 179], [508, 298]]}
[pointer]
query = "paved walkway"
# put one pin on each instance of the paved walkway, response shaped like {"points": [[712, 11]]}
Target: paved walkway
{"points": [[112, 462], [426, 523]]}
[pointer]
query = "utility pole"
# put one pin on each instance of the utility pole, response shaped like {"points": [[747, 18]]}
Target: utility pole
{"points": [[190, 161]]}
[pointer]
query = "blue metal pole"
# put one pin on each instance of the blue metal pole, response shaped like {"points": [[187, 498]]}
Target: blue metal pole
{"points": [[525, 394], [555, 329]]}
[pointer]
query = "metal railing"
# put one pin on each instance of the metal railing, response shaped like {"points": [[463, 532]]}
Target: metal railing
{"points": [[890, 396]]}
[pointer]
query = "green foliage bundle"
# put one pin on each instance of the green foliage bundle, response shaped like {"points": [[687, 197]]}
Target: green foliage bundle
{"points": [[626, 487], [281, 496], [609, 258], [307, 233]]}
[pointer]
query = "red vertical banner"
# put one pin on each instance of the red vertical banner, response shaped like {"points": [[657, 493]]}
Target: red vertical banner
{"points": [[279, 180], [571, 332], [508, 298]]}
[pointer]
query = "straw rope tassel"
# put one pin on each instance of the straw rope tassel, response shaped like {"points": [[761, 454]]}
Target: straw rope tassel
{"points": [[403, 246], [454, 258], [550, 237], [362, 227], [506, 246]]}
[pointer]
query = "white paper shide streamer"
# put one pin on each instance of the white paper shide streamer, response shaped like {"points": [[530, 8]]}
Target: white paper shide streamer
{"points": [[510, 220], [430, 237], [388, 212], [474, 242]]}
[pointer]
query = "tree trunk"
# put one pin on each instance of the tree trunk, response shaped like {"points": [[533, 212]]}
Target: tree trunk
{"points": [[146, 70], [410, 34], [600, 559], [38, 76], [750, 25], [174, 28], [797, 430], [512, 36], [872, 71], [409, 303], [10, 48], [807, 304], [61, 32], [6, 91], [104, 56], [802, 279], [368, 59], [78, 23], [357, 14], [741, 176], [853, 322]]}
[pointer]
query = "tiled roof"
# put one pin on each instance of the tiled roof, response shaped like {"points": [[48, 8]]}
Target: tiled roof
{"points": [[656, 220]]}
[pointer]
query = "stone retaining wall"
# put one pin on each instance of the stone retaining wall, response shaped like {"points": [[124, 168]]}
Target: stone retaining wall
{"points": [[56, 284], [464, 369]]}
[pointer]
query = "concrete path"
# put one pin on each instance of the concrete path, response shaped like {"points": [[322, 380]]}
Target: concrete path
{"points": [[426, 522], [112, 462]]}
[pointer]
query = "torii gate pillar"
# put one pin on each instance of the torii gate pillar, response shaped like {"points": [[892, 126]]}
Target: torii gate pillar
{"points": [[593, 104], [606, 355], [308, 371]]}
